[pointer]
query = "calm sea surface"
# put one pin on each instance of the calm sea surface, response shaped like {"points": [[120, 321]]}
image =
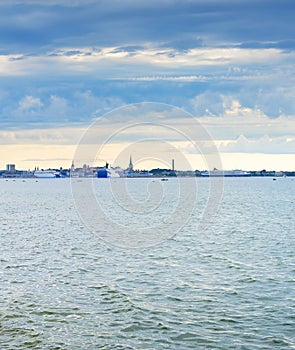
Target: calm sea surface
{"points": [[229, 287]]}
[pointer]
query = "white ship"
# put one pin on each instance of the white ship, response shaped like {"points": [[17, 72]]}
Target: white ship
{"points": [[46, 174], [225, 173]]}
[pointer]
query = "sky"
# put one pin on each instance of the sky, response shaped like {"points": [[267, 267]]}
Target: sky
{"points": [[226, 66]]}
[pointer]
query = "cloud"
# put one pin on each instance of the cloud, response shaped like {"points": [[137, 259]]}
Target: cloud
{"points": [[168, 57], [48, 3], [79, 107], [58, 107], [226, 126], [251, 122], [265, 144], [110, 63], [174, 78], [271, 100], [42, 136], [181, 25], [30, 102]]}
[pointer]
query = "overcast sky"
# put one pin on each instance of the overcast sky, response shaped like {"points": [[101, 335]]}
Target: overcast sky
{"points": [[228, 63]]}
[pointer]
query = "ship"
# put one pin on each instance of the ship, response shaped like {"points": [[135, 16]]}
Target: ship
{"points": [[46, 174], [225, 173], [107, 171], [137, 173]]}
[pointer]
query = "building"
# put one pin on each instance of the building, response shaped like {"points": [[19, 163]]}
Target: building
{"points": [[10, 168]]}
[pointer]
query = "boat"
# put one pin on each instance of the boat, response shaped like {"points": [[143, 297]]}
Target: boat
{"points": [[107, 171], [137, 173], [46, 174], [225, 173], [103, 173]]}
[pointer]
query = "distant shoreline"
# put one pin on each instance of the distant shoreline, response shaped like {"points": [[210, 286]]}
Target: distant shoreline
{"points": [[14, 177]]}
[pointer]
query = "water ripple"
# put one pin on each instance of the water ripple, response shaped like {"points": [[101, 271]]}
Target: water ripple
{"points": [[231, 287]]}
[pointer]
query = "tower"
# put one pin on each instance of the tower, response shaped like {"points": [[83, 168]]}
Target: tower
{"points": [[10, 168], [130, 168], [72, 170]]}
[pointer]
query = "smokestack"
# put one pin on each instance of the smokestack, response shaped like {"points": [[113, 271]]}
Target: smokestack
{"points": [[173, 165]]}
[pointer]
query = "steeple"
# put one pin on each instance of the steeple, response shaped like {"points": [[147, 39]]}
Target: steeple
{"points": [[130, 168], [72, 170]]}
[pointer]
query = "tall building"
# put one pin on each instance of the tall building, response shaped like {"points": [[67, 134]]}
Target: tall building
{"points": [[10, 168]]}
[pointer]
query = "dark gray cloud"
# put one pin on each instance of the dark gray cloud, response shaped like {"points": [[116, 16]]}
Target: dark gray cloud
{"points": [[30, 25]]}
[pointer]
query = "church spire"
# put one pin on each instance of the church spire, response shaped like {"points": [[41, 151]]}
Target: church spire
{"points": [[130, 168]]}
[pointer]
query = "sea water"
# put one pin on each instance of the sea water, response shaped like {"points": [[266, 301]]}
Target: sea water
{"points": [[229, 286]]}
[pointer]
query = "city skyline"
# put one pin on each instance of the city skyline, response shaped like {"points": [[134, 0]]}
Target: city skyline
{"points": [[138, 166]]}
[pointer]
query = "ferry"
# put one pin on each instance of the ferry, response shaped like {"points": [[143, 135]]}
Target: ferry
{"points": [[225, 173], [137, 173], [107, 171], [46, 174]]}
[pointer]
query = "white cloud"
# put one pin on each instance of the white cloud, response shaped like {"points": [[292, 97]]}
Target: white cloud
{"points": [[10, 65], [58, 106], [171, 57], [180, 78], [30, 102], [254, 124], [148, 61], [265, 144], [48, 136]]}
